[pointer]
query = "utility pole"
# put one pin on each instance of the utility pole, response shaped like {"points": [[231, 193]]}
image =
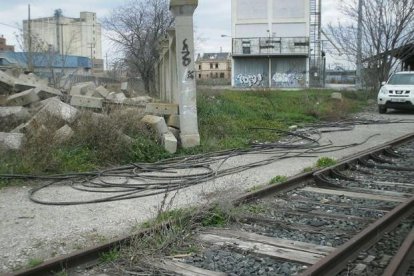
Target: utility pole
{"points": [[29, 41], [359, 48]]}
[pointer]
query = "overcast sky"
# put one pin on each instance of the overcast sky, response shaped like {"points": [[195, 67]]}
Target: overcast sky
{"points": [[212, 18]]}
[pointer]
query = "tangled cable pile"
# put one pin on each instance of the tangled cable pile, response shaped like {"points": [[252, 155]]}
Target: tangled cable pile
{"points": [[144, 179]]}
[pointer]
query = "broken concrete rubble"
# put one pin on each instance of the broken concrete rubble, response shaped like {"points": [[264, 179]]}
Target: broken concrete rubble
{"points": [[102, 91], [83, 89], [11, 141], [63, 134], [12, 116], [84, 101], [23, 98], [45, 92], [170, 142], [6, 83], [336, 96], [25, 82], [58, 109], [160, 127]]}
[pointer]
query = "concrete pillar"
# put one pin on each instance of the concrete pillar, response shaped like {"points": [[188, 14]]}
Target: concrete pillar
{"points": [[183, 11], [174, 95]]}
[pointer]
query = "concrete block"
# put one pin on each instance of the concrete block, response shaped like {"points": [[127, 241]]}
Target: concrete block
{"points": [[170, 142], [23, 98], [120, 97], [17, 112], [162, 109], [83, 89], [45, 92], [63, 134], [88, 102], [336, 96], [175, 131], [6, 83], [124, 86], [29, 81], [142, 99], [18, 129], [11, 141], [11, 117], [102, 91], [111, 96], [54, 107], [156, 123], [173, 121]]}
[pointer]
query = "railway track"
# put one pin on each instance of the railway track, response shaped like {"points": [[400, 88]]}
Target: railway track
{"points": [[356, 218]]}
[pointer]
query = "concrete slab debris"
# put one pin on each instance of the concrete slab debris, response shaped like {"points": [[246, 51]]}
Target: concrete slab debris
{"points": [[175, 131], [11, 117], [83, 88], [161, 109], [18, 112], [6, 83], [25, 82], [63, 134], [23, 98], [58, 109], [119, 97], [11, 141], [156, 123], [173, 121], [336, 96], [124, 86], [170, 142], [88, 102], [102, 91], [45, 92]]}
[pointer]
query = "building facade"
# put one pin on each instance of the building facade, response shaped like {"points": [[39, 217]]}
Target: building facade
{"points": [[271, 43], [67, 36], [4, 47], [214, 66]]}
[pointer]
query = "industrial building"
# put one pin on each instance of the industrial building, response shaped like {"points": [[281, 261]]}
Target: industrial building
{"points": [[276, 43], [213, 66], [3, 45], [67, 36]]}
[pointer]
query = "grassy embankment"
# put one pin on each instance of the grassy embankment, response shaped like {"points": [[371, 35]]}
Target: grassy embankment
{"points": [[225, 121]]}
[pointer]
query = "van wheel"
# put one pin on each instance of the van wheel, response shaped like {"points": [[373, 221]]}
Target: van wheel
{"points": [[382, 109]]}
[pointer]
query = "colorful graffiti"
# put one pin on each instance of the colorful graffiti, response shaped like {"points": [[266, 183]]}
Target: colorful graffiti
{"points": [[250, 80], [288, 79]]}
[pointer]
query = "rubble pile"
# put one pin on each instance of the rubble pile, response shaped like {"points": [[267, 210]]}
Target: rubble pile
{"points": [[28, 104]]}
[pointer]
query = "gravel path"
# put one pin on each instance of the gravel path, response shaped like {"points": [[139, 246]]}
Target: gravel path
{"points": [[31, 231]]}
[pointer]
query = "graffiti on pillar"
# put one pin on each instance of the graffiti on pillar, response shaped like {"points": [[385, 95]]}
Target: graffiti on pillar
{"points": [[250, 80], [190, 74], [288, 79], [186, 53]]}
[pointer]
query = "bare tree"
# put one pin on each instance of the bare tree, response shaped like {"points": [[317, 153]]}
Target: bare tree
{"points": [[387, 33], [136, 28]]}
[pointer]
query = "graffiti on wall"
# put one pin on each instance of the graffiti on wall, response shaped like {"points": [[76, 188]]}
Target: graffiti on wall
{"points": [[250, 80], [186, 53], [289, 79]]}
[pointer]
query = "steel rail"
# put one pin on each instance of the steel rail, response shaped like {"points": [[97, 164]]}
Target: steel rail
{"points": [[92, 254], [401, 262], [338, 260]]}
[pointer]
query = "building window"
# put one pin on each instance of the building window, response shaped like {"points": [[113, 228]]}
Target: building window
{"points": [[221, 75], [199, 67], [211, 75], [211, 65], [199, 76], [216, 65], [216, 75]]}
